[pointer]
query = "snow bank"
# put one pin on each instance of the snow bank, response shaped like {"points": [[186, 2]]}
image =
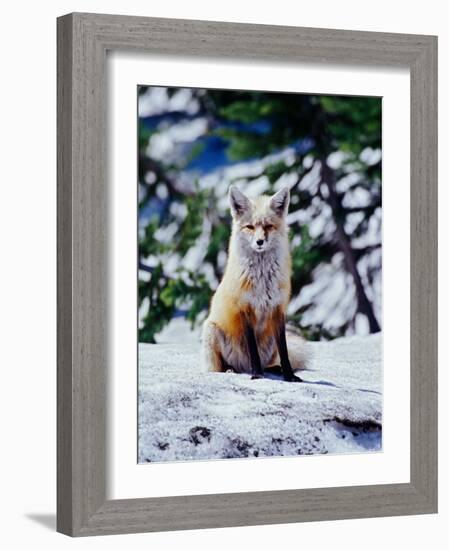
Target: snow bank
{"points": [[185, 413]]}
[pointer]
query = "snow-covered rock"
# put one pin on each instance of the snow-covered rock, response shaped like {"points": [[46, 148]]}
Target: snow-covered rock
{"points": [[185, 413]]}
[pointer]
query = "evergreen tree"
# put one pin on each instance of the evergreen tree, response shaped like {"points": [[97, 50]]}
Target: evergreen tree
{"points": [[325, 148]]}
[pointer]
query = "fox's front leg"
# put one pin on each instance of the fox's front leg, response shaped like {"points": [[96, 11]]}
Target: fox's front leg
{"points": [[281, 341], [251, 342]]}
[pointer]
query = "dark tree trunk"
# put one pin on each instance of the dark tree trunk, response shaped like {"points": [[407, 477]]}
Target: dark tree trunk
{"points": [[363, 304]]}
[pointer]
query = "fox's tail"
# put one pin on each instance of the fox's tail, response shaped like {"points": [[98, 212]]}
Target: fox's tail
{"points": [[299, 353]]}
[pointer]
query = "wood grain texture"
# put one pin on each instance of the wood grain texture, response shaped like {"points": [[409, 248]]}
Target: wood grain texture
{"points": [[64, 276], [83, 40], [423, 275]]}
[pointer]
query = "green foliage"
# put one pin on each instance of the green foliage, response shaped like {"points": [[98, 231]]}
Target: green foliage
{"points": [[243, 145], [220, 235], [144, 136], [276, 170], [195, 291], [353, 125], [305, 256], [187, 289], [148, 244], [251, 110], [190, 229], [159, 310]]}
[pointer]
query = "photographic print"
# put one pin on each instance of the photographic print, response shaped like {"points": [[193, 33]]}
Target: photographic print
{"points": [[259, 274]]}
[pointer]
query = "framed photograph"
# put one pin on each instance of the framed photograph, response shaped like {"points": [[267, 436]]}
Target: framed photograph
{"points": [[247, 280]]}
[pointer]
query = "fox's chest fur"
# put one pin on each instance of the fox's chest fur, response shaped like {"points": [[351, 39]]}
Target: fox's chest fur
{"points": [[263, 283]]}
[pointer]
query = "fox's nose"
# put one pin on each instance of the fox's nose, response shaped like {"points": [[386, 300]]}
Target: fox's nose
{"points": [[259, 242]]}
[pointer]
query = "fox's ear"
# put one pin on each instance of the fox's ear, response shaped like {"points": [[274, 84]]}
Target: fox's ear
{"points": [[280, 201], [238, 201]]}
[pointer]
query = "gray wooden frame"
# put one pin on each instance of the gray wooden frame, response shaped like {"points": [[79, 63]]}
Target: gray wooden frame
{"points": [[83, 40]]}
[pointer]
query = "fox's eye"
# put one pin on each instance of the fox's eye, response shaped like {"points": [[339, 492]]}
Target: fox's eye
{"points": [[250, 227], [268, 227]]}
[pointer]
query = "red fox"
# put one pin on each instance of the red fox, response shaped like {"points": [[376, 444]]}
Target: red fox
{"points": [[245, 329]]}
